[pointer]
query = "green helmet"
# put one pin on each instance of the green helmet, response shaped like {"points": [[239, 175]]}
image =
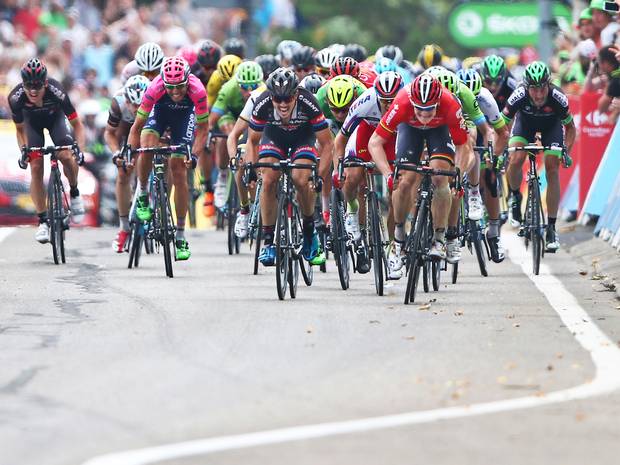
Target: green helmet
{"points": [[493, 68], [449, 80], [249, 73], [536, 74]]}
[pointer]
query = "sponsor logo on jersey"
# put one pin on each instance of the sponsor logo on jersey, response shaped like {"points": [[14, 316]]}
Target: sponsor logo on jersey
{"points": [[517, 95], [560, 97]]}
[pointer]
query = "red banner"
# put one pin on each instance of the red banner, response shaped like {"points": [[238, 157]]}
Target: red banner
{"points": [[594, 133], [566, 174]]}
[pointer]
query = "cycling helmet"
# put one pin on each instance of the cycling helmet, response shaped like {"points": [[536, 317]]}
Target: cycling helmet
{"points": [[472, 79], [493, 68], [345, 65], [367, 76], [536, 74], [135, 87], [303, 57], [312, 82], [324, 59], [449, 80], [355, 51], [188, 53], [268, 63], [282, 83], [338, 49], [286, 48], [175, 70], [249, 73], [228, 65], [430, 55], [388, 84], [209, 54], [34, 71], [471, 62], [385, 64], [234, 46], [149, 57], [425, 91], [389, 51], [340, 91]]}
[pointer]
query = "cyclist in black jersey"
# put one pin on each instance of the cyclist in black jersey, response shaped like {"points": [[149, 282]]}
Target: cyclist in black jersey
{"points": [[40, 103], [497, 79], [539, 106]]}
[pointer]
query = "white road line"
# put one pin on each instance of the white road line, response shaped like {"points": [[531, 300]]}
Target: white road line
{"points": [[5, 232], [605, 356]]}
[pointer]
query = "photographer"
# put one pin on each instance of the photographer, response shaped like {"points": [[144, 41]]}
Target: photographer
{"points": [[606, 29]]}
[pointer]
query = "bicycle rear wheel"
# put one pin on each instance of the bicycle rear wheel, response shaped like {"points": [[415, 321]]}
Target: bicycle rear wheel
{"points": [[135, 244], [259, 236], [479, 247], [165, 225], [283, 241], [376, 241], [436, 274], [232, 208], [339, 237]]}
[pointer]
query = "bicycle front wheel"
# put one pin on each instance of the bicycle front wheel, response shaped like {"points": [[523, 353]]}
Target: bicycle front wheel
{"points": [[165, 224], [283, 241], [376, 241], [339, 238], [414, 253], [56, 217], [232, 208], [536, 233], [135, 244], [479, 247]]}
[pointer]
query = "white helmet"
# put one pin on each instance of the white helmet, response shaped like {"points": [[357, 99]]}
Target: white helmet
{"points": [[325, 58], [149, 57], [135, 87], [390, 51], [286, 48]]}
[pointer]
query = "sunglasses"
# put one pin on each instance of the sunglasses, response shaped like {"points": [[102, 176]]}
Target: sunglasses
{"points": [[249, 87], [425, 109], [176, 86], [150, 75], [387, 101], [490, 82], [277, 99], [34, 85], [339, 111]]}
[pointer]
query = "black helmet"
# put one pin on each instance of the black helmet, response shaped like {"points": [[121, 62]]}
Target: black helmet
{"points": [[209, 53], [234, 46], [34, 71], [312, 82], [303, 57], [269, 63], [282, 83], [390, 51], [355, 51]]}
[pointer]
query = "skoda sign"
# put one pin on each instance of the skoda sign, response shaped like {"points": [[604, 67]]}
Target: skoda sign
{"points": [[481, 25]]}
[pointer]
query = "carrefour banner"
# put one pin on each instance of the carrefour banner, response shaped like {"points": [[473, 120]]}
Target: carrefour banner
{"points": [[501, 24]]}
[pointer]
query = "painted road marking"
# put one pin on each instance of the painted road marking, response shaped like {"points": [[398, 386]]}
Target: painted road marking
{"points": [[605, 356], [5, 232]]}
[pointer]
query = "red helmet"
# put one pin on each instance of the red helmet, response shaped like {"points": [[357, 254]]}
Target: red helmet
{"points": [[425, 91], [189, 53], [367, 77], [345, 65]]}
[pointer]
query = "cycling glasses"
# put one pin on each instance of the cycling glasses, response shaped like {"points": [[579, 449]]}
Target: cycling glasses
{"points": [[307, 69], [176, 86], [426, 109], [277, 99], [249, 87], [339, 111], [34, 85]]}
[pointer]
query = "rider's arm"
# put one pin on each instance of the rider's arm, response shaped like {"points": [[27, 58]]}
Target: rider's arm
{"points": [[233, 138], [326, 148], [21, 134], [78, 130], [202, 130], [340, 145], [136, 129], [571, 134], [252, 145], [377, 152], [110, 136]]}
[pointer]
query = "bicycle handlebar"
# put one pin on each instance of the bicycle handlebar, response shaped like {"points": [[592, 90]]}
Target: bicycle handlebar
{"points": [[285, 165], [49, 150]]}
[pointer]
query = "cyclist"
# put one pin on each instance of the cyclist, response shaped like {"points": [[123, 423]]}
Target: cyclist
{"points": [[147, 61], [352, 141], [303, 62], [312, 82], [465, 158], [170, 102], [429, 116], [387, 64], [285, 50], [287, 119], [488, 106], [336, 96], [228, 106], [121, 116], [189, 53], [209, 53], [234, 46], [539, 106], [356, 51], [40, 103], [497, 78], [324, 60], [344, 65], [268, 63]]}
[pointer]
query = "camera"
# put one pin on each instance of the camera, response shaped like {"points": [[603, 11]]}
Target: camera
{"points": [[612, 7]]}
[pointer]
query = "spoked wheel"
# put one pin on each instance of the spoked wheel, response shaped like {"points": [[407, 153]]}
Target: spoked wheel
{"points": [[231, 212], [414, 250], [283, 241], [257, 243], [166, 235], [56, 214], [294, 250], [376, 241], [479, 247], [136, 238], [436, 274], [536, 226], [339, 237]]}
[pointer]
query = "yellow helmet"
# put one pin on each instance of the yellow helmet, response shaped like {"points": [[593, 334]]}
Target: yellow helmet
{"points": [[228, 65], [340, 91], [470, 62]]}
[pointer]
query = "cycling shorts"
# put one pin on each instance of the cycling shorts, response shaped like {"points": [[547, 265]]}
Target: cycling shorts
{"points": [[410, 143], [180, 122], [58, 127], [299, 147], [551, 134], [357, 145]]}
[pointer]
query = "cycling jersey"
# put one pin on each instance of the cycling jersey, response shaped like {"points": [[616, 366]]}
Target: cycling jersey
{"points": [[321, 97], [216, 81], [554, 108], [489, 107], [357, 145], [195, 98], [130, 69], [229, 99], [119, 111], [468, 100], [55, 100], [365, 108], [367, 77], [508, 87], [246, 113], [449, 113]]}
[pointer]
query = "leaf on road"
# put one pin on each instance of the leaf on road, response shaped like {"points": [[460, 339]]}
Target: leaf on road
{"points": [[374, 322], [549, 367], [309, 329], [583, 272], [510, 366], [458, 313], [425, 306], [580, 416], [502, 379], [403, 325], [559, 355], [516, 325], [511, 317]]}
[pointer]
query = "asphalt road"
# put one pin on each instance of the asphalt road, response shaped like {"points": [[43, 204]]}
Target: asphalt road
{"points": [[98, 359]]}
